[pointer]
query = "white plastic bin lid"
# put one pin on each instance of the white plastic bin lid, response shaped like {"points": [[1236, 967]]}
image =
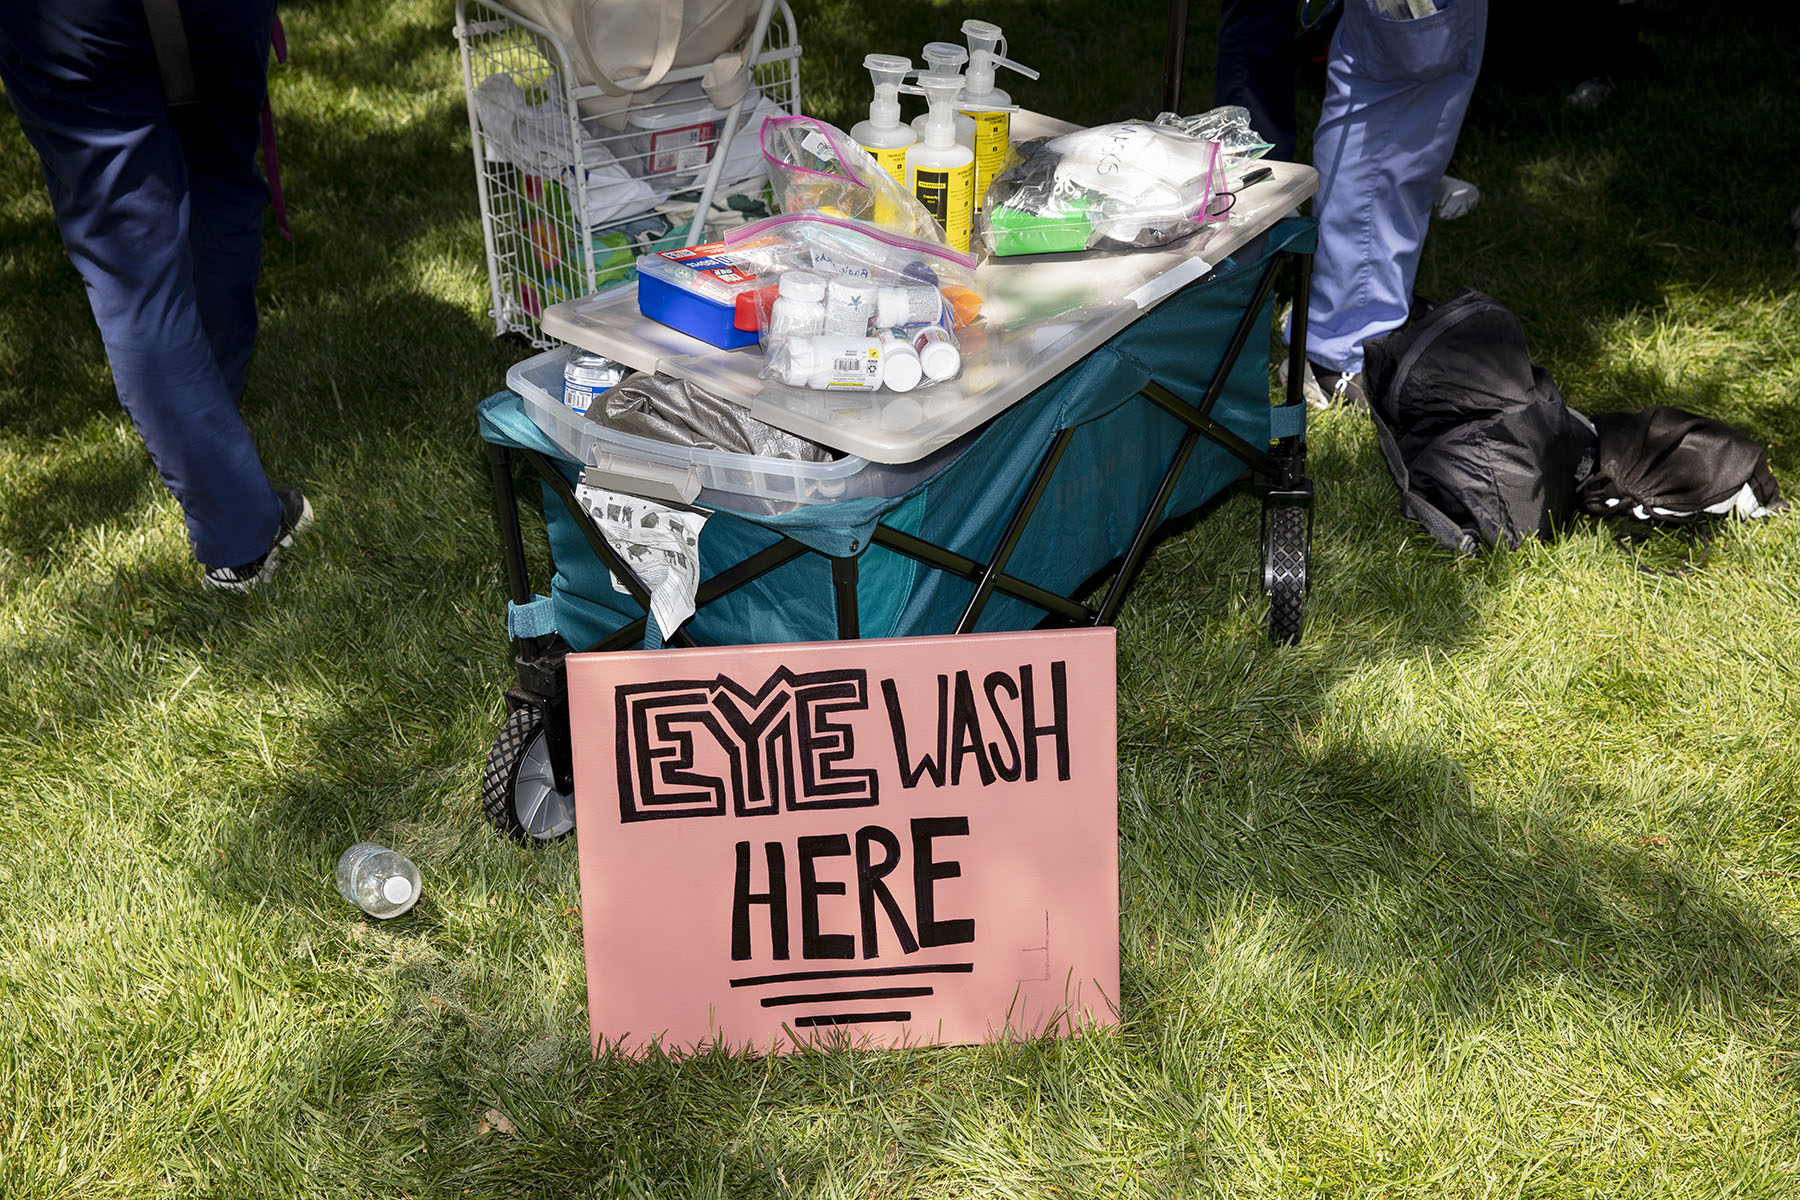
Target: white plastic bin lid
{"points": [[683, 104]]}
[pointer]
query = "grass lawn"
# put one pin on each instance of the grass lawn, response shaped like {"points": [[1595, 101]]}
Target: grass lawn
{"points": [[1489, 888]]}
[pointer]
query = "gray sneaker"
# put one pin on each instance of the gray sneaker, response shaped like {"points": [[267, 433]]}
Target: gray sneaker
{"points": [[1324, 388], [1455, 198], [1339, 388], [1590, 93], [296, 514]]}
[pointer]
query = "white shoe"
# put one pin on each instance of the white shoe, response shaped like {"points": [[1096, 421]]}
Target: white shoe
{"points": [[1455, 198], [1590, 93]]}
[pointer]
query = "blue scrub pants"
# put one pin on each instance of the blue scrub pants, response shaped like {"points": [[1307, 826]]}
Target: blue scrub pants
{"points": [[1396, 92], [162, 217]]}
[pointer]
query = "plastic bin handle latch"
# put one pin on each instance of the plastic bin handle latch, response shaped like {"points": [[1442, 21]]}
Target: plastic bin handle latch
{"points": [[726, 81], [638, 477]]}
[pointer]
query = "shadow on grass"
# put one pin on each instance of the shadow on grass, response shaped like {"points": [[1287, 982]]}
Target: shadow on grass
{"points": [[694, 1126], [1669, 201], [337, 39], [74, 490], [1384, 871]]}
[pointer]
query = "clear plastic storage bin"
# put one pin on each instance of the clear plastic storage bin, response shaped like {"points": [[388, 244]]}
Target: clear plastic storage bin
{"points": [[732, 481]]}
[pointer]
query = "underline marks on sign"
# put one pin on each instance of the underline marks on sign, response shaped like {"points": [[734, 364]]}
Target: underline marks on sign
{"points": [[832, 997], [817, 1020], [850, 1019], [856, 973]]}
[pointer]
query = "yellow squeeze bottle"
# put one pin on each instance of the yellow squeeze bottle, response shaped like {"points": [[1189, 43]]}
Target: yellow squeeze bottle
{"points": [[988, 105], [940, 172], [883, 135]]}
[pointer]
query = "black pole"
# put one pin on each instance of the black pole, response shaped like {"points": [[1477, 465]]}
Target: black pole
{"points": [[843, 584], [1174, 55], [512, 541]]}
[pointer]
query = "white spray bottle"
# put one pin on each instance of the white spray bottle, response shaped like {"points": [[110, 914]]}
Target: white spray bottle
{"points": [[947, 58], [986, 103], [882, 135], [940, 172]]}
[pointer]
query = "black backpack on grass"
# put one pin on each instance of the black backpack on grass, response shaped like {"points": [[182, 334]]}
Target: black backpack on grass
{"points": [[1475, 434], [1663, 470], [1485, 451]]}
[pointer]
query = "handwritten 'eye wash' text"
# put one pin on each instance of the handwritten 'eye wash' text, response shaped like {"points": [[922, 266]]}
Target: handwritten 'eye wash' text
{"points": [[717, 748]]}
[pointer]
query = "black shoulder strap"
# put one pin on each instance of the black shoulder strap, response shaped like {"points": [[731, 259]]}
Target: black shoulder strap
{"points": [[1449, 533], [169, 39]]}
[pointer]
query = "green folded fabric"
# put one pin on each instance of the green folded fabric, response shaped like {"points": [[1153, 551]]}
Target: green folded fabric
{"points": [[1059, 231]]}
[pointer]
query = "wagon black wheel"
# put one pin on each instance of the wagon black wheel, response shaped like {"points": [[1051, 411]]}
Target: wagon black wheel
{"points": [[1286, 551], [518, 789]]}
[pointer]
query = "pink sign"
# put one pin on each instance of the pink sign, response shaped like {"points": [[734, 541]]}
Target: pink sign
{"points": [[883, 843]]}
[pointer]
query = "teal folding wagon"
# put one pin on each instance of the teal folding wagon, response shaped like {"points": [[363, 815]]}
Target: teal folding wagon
{"points": [[999, 531]]}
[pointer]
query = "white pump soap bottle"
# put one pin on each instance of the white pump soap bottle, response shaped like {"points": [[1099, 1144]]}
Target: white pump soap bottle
{"points": [[947, 58], [989, 106], [883, 135]]}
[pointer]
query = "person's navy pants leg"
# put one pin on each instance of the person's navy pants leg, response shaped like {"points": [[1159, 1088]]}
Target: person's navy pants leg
{"points": [[1255, 68], [163, 220]]}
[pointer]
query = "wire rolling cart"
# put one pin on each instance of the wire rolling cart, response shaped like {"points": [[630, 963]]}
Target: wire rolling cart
{"points": [[568, 202]]}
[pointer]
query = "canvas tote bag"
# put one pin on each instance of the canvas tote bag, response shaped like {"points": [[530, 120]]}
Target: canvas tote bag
{"points": [[627, 47]]}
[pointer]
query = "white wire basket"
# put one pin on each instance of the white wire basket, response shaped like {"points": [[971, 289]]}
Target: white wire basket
{"points": [[568, 202]]}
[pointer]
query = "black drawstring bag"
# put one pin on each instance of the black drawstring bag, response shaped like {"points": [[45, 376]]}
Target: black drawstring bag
{"points": [[1664, 470], [1666, 465], [1485, 451]]}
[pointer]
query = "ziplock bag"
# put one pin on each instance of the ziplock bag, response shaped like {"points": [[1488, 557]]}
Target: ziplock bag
{"points": [[816, 166], [1129, 185], [1228, 125], [853, 307]]}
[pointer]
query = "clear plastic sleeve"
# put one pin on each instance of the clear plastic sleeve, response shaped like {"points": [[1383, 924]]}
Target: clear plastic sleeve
{"points": [[815, 166], [1228, 125], [851, 307], [1128, 185]]}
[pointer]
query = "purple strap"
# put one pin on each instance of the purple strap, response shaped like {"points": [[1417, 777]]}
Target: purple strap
{"points": [[271, 164]]}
